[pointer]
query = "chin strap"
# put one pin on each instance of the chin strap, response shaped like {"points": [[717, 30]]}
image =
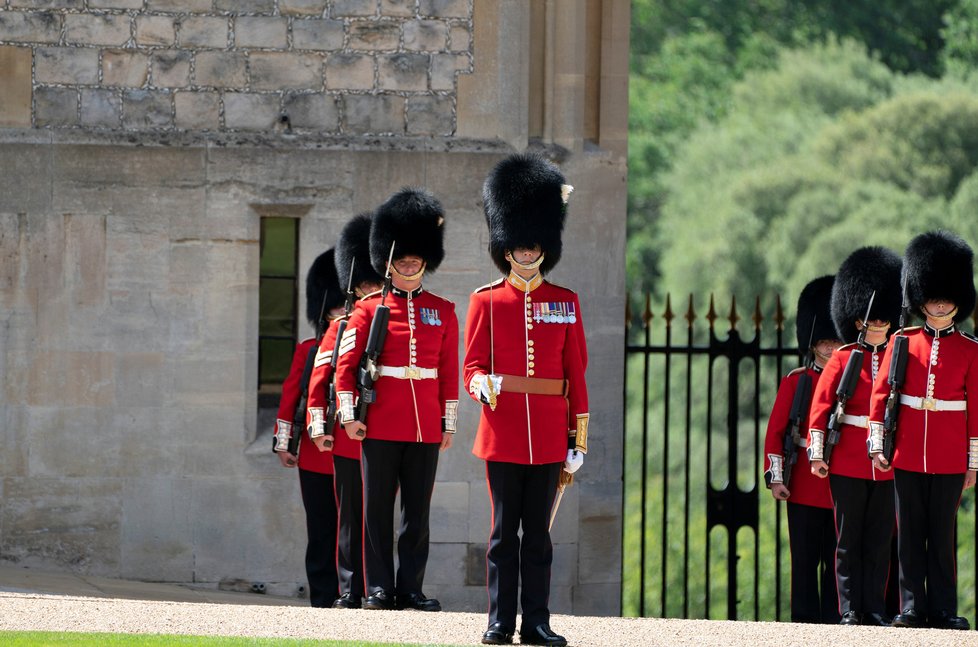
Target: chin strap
{"points": [[525, 266]]}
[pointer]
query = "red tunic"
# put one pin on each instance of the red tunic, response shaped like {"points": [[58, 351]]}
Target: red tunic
{"points": [[850, 456], [935, 442], [534, 334], [405, 409], [805, 487], [310, 458], [343, 445]]}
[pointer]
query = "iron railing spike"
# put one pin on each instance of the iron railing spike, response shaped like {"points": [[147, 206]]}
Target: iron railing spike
{"points": [[690, 312], [758, 317], [647, 315], [734, 317], [711, 314], [668, 315]]}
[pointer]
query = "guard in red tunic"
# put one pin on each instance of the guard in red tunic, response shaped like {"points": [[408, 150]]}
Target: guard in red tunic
{"points": [[415, 397], [352, 253], [315, 467], [862, 495], [811, 525], [936, 448], [525, 357]]}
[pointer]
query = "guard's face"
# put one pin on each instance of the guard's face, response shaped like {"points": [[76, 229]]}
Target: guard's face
{"points": [[408, 265], [366, 288], [825, 347], [526, 255], [938, 307]]}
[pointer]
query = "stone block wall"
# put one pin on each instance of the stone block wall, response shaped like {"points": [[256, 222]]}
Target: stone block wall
{"points": [[141, 144], [347, 67]]}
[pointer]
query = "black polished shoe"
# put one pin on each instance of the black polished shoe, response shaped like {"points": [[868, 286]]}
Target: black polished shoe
{"points": [[908, 618], [542, 635], [851, 618], [876, 620], [497, 634], [347, 601], [416, 601], [381, 600], [946, 620]]}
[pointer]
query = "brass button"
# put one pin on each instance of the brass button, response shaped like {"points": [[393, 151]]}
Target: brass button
{"points": [[530, 342], [528, 299], [531, 364], [530, 372], [414, 340], [529, 326]]}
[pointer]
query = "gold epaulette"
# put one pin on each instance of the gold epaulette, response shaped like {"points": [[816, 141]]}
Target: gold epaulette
{"points": [[910, 329], [800, 369], [845, 346], [488, 285], [372, 294]]}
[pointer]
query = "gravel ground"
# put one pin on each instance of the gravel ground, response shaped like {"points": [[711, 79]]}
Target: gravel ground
{"points": [[31, 611]]}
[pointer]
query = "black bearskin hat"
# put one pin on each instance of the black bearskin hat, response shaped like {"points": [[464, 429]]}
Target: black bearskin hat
{"points": [[414, 220], [866, 270], [814, 310], [524, 207], [354, 245], [321, 283], [939, 266]]}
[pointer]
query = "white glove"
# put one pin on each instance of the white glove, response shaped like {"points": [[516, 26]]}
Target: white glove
{"points": [[479, 386], [574, 461]]}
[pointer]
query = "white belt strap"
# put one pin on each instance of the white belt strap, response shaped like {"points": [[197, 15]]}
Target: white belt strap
{"points": [[408, 372], [932, 404], [855, 421]]}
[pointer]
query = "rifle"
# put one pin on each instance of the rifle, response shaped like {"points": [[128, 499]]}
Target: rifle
{"points": [[799, 407], [330, 417], [847, 386], [368, 373], [898, 372], [792, 433], [299, 415]]}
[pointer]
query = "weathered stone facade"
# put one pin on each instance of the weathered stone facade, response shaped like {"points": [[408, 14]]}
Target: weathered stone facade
{"points": [[139, 152], [186, 65]]}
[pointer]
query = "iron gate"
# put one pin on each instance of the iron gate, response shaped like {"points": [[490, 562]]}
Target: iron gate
{"points": [[702, 536]]}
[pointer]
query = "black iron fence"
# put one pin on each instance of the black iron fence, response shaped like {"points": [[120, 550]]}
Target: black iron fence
{"points": [[703, 538]]}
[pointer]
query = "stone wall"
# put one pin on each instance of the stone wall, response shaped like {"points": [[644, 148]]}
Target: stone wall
{"points": [[129, 263], [337, 66]]}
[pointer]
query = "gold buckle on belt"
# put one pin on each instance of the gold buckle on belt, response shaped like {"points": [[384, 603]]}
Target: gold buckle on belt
{"points": [[930, 404], [412, 372]]}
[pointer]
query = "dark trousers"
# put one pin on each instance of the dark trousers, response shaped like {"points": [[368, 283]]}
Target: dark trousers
{"points": [[814, 596], [317, 499], [387, 465], [927, 507], [349, 543], [864, 518], [522, 495]]}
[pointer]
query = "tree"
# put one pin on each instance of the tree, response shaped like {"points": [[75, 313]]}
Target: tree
{"points": [[828, 152]]}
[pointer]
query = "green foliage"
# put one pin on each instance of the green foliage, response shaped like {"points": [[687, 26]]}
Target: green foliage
{"points": [[689, 55], [825, 153], [960, 33]]}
